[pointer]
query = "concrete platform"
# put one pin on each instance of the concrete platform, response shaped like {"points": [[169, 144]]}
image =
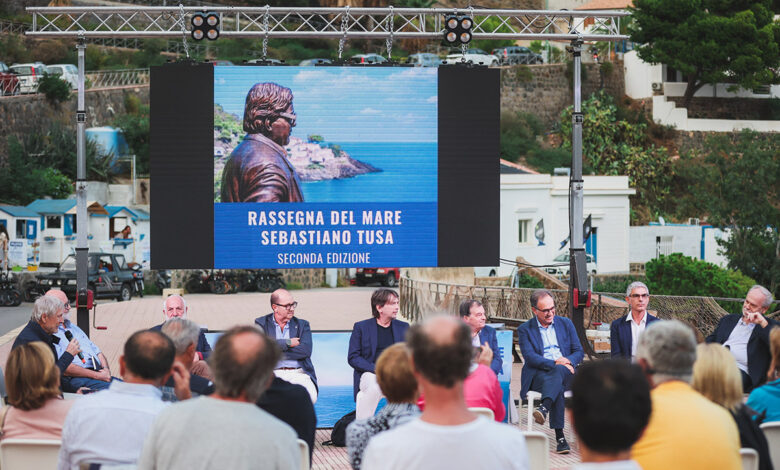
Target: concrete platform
{"points": [[325, 309]]}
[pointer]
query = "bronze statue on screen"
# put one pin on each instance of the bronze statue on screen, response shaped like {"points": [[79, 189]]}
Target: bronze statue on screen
{"points": [[259, 170]]}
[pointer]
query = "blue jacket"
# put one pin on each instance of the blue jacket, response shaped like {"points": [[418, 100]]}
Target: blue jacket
{"points": [[298, 329], [362, 347], [488, 335], [620, 335], [34, 332], [532, 348]]}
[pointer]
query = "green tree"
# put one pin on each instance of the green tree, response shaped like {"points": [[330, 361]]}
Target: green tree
{"points": [[135, 127], [677, 274], [709, 41], [56, 90]]}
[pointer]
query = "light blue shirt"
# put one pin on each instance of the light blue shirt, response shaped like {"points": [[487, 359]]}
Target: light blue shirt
{"points": [[738, 342], [285, 334], [109, 427], [550, 342], [88, 348]]}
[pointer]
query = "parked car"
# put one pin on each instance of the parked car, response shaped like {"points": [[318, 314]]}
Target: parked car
{"points": [[9, 82], [368, 59], [222, 62], [28, 75], [517, 55], [108, 276], [564, 270], [424, 59], [311, 62], [67, 72], [387, 276], [470, 58], [268, 61]]}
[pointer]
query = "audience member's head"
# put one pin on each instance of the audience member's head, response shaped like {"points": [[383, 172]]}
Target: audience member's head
{"points": [[716, 375], [774, 346], [184, 334], [48, 312], [666, 351], [243, 362], [610, 407], [441, 350], [174, 306], [379, 298], [148, 357], [31, 376], [395, 376], [60, 295]]}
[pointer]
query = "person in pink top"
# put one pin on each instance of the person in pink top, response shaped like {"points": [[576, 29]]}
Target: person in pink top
{"points": [[37, 410]]}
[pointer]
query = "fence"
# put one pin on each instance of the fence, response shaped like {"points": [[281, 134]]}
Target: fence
{"points": [[114, 78], [420, 298]]}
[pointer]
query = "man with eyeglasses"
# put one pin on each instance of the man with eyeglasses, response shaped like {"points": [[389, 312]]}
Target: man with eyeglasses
{"points": [[93, 371], [258, 169], [294, 338], [551, 351], [624, 332]]}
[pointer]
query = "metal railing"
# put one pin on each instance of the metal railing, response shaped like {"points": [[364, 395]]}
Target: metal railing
{"points": [[12, 27], [115, 78]]}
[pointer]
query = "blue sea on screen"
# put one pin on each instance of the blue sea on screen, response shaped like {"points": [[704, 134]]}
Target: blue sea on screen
{"points": [[333, 402], [409, 174]]}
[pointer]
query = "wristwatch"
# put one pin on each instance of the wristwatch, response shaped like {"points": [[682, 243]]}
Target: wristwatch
{"points": [[289, 342]]}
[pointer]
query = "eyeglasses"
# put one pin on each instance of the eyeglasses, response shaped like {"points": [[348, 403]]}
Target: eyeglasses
{"points": [[291, 118], [66, 305], [291, 306], [546, 310], [640, 296]]}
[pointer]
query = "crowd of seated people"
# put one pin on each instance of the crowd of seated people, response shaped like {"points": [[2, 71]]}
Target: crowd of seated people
{"points": [[660, 403]]}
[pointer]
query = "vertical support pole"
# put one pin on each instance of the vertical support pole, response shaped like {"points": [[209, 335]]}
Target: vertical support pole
{"points": [[578, 273], [82, 224]]}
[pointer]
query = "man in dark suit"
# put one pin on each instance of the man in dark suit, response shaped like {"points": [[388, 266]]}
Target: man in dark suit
{"points": [[291, 404], [747, 337], [369, 338], [551, 351], [293, 336], [624, 332], [472, 312]]}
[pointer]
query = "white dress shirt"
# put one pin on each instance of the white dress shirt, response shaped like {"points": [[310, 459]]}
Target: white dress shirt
{"points": [[738, 341], [109, 427], [636, 330]]}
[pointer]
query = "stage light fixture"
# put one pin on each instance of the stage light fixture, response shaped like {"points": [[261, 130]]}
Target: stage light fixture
{"points": [[205, 25], [458, 29]]}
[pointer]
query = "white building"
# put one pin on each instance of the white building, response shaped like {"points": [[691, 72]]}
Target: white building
{"points": [[700, 242], [22, 226], [528, 199]]}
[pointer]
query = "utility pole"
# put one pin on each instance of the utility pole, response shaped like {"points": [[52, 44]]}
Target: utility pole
{"points": [[82, 224]]}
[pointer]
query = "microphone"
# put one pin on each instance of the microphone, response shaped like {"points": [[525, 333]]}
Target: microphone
{"points": [[69, 335]]}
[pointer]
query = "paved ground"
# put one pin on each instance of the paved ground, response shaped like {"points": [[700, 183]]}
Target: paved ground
{"points": [[325, 309]]}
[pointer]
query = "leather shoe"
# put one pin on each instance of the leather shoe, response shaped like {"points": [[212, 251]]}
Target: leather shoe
{"points": [[563, 446], [540, 414]]}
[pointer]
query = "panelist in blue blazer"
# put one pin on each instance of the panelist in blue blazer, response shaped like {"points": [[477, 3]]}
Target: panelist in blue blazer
{"points": [[472, 312], [551, 351], [293, 335], [369, 338], [624, 332]]}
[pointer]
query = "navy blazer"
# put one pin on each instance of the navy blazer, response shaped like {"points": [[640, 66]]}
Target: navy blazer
{"points": [[758, 352], [298, 329], [620, 335], [488, 335], [362, 347], [532, 348]]}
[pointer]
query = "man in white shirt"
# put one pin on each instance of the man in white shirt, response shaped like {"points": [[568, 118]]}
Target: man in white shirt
{"points": [[625, 331], [226, 429], [110, 426], [447, 434], [610, 408], [747, 337]]}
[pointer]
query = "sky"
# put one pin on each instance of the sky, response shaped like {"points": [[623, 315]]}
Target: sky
{"points": [[344, 104]]}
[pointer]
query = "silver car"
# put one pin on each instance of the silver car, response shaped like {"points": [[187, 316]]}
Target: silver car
{"points": [[424, 59], [67, 72]]}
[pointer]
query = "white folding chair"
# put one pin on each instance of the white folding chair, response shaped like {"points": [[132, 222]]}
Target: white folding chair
{"points": [[772, 433], [304, 447], [40, 454], [531, 396], [749, 458], [486, 412], [538, 450]]}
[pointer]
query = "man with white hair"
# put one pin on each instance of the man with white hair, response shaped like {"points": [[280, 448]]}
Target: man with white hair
{"points": [[176, 307], [184, 334], [624, 332], [93, 371], [686, 430], [47, 315], [746, 335]]}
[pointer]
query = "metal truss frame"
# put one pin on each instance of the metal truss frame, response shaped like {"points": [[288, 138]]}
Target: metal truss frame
{"points": [[333, 23]]}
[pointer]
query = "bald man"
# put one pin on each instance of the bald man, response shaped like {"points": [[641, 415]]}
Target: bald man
{"points": [[93, 372], [293, 335]]}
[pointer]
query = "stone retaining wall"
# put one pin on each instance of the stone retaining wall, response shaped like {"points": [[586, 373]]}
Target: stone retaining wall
{"points": [[727, 108]]}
